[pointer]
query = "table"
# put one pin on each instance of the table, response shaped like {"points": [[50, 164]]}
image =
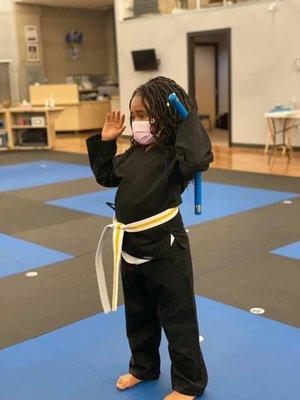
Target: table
{"points": [[290, 122]]}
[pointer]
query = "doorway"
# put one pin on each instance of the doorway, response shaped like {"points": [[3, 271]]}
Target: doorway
{"points": [[209, 69]]}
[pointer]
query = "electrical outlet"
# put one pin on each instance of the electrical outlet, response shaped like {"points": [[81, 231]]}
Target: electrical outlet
{"points": [[297, 62]]}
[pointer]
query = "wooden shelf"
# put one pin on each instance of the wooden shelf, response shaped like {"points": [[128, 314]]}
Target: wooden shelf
{"points": [[32, 110], [28, 127], [6, 129], [31, 147]]}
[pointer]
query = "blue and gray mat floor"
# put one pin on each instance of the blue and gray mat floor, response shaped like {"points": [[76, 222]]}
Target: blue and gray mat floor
{"points": [[57, 344]]}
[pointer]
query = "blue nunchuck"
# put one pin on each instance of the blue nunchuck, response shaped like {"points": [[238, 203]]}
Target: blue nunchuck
{"points": [[183, 113]]}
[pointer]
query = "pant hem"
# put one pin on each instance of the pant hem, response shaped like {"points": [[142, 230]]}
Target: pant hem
{"points": [[145, 377], [187, 392]]}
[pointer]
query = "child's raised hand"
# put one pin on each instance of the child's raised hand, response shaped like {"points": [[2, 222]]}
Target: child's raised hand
{"points": [[114, 126]]}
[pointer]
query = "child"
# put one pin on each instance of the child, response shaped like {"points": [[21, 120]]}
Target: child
{"points": [[156, 266]]}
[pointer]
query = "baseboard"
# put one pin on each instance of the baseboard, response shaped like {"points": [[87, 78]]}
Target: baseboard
{"points": [[257, 146], [246, 145]]}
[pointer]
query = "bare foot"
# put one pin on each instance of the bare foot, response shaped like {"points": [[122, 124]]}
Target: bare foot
{"points": [[127, 381], [178, 396]]}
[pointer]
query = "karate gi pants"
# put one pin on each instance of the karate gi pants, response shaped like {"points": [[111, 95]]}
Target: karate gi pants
{"points": [[159, 294]]}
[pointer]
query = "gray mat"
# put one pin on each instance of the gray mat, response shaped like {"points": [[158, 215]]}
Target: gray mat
{"points": [[230, 266], [232, 263], [59, 295], [58, 190], [19, 215], [76, 237], [237, 238], [251, 179], [17, 157], [267, 281], [257, 180]]}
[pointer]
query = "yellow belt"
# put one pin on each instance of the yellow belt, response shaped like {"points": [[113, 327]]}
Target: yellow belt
{"points": [[118, 233]]}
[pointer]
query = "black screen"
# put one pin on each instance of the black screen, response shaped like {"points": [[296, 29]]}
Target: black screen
{"points": [[144, 60], [141, 7]]}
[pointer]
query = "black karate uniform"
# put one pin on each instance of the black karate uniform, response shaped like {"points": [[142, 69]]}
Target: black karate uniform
{"points": [[158, 293]]}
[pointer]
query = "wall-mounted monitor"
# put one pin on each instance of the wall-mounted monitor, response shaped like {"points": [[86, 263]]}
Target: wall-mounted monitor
{"points": [[144, 60], [141, 7]]}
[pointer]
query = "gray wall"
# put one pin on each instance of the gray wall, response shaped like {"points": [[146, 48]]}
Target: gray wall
{"points": [[98, 53]]}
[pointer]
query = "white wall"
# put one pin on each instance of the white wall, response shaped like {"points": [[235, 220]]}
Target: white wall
{"points": [[264, 47], [8, 43]]}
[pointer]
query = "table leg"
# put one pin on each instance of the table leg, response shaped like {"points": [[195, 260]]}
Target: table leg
{"points": [[272, 124], [270, 135], [288, 143], [285, 123]]}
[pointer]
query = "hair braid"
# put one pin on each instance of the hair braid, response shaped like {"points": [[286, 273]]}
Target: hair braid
{"points": [[163, 118]]}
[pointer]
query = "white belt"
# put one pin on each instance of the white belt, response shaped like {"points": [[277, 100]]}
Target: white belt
{"points": [[118, 233]]}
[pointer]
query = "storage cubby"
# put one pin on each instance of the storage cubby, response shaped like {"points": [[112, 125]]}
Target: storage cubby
{"points": [[32, 128], [4, 131]]}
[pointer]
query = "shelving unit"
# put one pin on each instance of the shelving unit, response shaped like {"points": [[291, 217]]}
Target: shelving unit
{"points": [[24, 135], [4, 131]]}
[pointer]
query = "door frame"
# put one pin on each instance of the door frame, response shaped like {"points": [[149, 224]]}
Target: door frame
{"points": [[191, 36]]}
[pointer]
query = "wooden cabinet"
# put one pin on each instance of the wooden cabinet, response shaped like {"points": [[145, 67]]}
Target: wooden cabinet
{"points": [[84, 116], [77, 115]]}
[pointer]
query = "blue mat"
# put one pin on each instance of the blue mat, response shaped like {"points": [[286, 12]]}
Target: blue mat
{"points": [[247, 356], [291, 250], [38, 173], [219, 200], [20, 255]]}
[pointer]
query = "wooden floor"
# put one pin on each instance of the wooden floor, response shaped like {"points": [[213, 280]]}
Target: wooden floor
{"points": [[240, 159]]}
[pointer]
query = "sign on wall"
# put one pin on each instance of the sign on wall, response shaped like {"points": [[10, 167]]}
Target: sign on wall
{"points": [[33, 52], [32, 46], [31, 34], [74, 39]]}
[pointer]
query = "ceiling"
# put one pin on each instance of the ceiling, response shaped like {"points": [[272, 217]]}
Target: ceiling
{"points": [[69, 3]]}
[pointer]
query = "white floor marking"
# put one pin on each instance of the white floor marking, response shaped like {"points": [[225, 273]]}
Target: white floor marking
{"points": [[31, 274], [257, 310]]}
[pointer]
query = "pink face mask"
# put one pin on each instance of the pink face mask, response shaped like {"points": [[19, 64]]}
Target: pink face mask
{"points": [[142, 132]]}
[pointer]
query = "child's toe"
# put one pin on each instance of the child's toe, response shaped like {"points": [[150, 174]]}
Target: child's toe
{"points": [[119, 381]]}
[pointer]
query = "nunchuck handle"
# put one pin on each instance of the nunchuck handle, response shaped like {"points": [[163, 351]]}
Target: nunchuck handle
{"points": [[183, 113]]}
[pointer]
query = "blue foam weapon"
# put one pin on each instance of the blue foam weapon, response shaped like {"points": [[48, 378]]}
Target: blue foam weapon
{"points": [[183, 113]]}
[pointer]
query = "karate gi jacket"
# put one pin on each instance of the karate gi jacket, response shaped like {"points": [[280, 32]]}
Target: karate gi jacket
{"points": [[147, 185]]}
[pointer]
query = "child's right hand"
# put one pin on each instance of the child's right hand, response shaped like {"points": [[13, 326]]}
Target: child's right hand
{"points": [[114, 126]]}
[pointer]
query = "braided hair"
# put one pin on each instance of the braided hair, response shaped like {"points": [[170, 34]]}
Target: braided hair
{"points": [[163, 117]]}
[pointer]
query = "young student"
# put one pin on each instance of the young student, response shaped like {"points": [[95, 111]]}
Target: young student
{"points": [[156, 266]]}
